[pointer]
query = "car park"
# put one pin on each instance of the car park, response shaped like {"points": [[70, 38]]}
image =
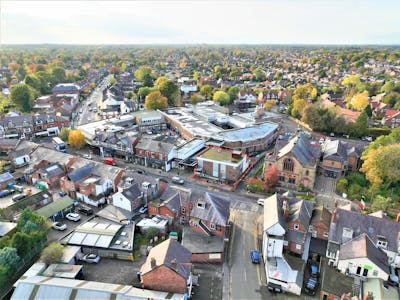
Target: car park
{"points": [[91, 258], [18, 197], [5, 193], [85, 210], [255, 257], [59, 226], [73, 217]]}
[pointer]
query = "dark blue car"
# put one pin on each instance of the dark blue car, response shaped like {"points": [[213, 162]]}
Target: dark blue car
{"points": [[255, 257]]}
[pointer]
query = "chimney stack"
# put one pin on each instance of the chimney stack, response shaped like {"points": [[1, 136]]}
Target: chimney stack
{"points": [[173, 263], [334, 217], [285, 207], [153, 263]]}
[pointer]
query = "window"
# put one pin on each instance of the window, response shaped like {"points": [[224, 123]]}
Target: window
{"points": [[212, 226], [381, 243], [348, 233], [201, 204], [183, 210], [375, 273], [325, 234], [307, 173], [288, 165], [218, 227], [296, 226], [310, 228], [365, 272], [298, 247], [292, 180], [282, 178]]}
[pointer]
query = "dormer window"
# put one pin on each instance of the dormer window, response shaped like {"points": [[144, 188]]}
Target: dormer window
{"points": [[296, 226], [347, 233], [201, 204], [381, 242]]}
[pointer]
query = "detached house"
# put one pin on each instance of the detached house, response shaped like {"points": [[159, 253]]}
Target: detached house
{"points": [[168, 268], [296, 163]]}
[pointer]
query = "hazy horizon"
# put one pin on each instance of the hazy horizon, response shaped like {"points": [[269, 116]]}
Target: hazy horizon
{"points": [[268, 22]]}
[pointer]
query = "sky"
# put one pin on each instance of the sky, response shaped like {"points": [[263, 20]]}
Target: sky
{"points": [[198, 22]]}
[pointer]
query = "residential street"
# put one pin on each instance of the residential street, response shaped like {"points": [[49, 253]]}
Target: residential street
{"points": [[245, 277]]}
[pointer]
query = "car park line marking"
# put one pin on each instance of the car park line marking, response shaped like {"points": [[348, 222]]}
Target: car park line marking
{"points": [[255, 247]]}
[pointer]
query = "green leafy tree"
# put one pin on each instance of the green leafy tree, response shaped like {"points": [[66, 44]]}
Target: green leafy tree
{"points": [[4, 275], [28, 215], [59, 74], [222, 98], [382, 203], [258, 75], [144, 73], [387, 87], [206, 91], [155, 100], [145, 90], [22, 242], [30, 227], [5, 241], [23, 96], [52, 253], [64, 133], [233, 92], [168, 89], [9, 258], [33, 81]]}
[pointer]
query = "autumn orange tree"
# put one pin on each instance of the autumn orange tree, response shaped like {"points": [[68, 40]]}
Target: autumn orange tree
{"points": [[271, 177], [155, 100], [76, 139]]}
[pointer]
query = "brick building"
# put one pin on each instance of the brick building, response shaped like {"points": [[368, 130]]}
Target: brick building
{"points": [[168, 268]]}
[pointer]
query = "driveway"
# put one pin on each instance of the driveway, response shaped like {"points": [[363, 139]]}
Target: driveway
{"points": [[325, 189]]}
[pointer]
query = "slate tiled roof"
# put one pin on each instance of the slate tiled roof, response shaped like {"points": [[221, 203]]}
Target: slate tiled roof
{"points": [[81, 173], [300, 210], [362, 247], [321, 214], [273, 212], [154, 146], [167, 251], [216, 210], [65, 87], [301, 150], [359, 223], [133, 192]]}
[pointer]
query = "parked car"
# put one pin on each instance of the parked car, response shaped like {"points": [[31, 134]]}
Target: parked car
{"points": [[62, 194], [59, 226], [18, 197], [85, 210], [178, 180], [141, 171], [110, 161], [91, 258], [143, 209], [73, 217], [260, 202], [87, 156], [393, 277], [5, 193], [312, 283], [18, 188], [255, 257]]}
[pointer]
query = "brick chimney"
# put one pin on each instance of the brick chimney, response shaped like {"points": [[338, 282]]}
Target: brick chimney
{"points": [[334, 218], [285, 208], [153, 263], [70, 162], [173, 263]]}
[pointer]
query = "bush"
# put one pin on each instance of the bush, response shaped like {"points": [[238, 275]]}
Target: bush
{"points": [[152, 232], [341, 185], [52, 253], [375, 132]]}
